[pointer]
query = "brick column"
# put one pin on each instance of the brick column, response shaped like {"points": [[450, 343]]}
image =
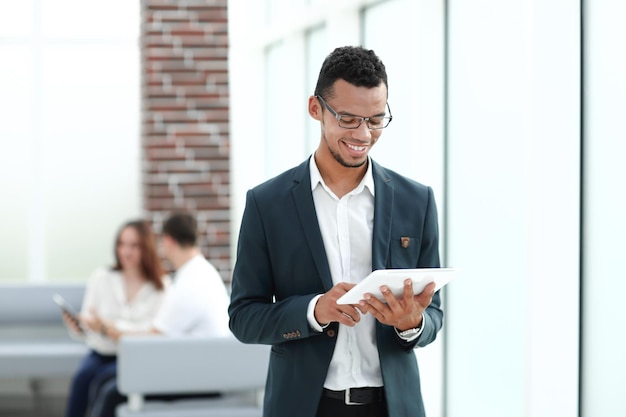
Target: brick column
{"points": [[185, 114]]}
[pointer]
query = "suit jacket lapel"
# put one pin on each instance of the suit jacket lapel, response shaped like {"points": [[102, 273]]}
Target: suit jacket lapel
{"points": [[383, 208], [303, 199]]}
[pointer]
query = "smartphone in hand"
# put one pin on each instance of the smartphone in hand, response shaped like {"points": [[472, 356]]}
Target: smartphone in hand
{"points": [[68, 312]]}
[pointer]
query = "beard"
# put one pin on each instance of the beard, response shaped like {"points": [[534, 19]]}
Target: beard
{"points": [[342, 161]]}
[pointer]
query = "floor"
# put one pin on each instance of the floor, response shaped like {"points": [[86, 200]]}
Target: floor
{"points": [[25, 398], [25, 407]]}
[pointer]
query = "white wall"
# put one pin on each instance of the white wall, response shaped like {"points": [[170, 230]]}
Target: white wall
{"points": [[513, 204]]}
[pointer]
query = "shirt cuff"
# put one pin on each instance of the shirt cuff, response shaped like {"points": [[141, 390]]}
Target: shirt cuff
{"points": [[416, 335], [310, 315]]}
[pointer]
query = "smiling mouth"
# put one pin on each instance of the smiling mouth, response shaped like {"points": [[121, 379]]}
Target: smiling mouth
{"points": [[357, 148]]}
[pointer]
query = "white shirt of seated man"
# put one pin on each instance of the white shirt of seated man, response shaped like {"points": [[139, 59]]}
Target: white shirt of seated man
{"points": [[196, 304]]}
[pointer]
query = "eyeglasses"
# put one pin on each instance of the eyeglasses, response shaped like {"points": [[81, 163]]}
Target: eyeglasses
{"points": [[352, 122]]}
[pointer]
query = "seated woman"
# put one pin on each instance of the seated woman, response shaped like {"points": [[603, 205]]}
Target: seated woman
{"points": [[125, 297]]}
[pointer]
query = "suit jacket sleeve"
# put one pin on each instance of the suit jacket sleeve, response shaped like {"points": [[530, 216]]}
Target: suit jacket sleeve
{"points": [[260, 311]]}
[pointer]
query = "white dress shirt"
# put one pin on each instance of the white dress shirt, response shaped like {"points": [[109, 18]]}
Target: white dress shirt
{"points": [[346, 225], [105, 294], [196, 303]]}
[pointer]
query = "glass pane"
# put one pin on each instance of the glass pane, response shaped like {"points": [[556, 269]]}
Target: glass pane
{"points": [[286, 107], [402, 71], [90, 140], [413, 143], [316, 52], [479, 81], [275, 56], [279, 10], [77, 19], [15, 159], [16, 18]]}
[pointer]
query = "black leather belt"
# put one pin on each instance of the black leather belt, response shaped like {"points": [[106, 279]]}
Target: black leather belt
{"points": [[358, 396]]}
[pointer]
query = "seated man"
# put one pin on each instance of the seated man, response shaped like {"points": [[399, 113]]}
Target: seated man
{"points": [[196, 303]]}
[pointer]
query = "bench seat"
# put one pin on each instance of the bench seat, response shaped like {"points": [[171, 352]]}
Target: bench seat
{"points": [[34, 342], [150, 365]]}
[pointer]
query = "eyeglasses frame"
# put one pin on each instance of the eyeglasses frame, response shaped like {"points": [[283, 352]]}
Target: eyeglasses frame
{"points": [[362, 119]]}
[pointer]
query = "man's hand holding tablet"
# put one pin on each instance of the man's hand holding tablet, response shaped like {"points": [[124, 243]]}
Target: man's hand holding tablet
{"points": [[394, 280]]}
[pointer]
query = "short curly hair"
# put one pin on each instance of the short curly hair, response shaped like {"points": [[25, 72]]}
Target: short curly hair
{"points": [[358, 66]]}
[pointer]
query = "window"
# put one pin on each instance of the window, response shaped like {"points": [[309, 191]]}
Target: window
{"points": [[69, 104]]}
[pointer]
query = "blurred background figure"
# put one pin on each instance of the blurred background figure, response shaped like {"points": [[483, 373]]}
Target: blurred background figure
{"points": [[125, 297], [196, 304]]}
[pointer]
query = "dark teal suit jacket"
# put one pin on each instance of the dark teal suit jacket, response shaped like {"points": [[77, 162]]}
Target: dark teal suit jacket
{"points": [[281, 265]]}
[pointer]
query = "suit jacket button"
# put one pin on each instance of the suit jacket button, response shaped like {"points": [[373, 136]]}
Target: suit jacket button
{"points": [[331, 333]]}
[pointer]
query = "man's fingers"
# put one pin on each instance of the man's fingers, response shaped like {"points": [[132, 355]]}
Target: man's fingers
{"points": [[327, 310], [408, 290], [345, 286], [430, 289], [347, 315], [351, 313], [346, 319], [426, 296]]}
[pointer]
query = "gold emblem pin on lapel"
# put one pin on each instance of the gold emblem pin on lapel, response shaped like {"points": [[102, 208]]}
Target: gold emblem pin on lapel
{"points": [[405, 241]]}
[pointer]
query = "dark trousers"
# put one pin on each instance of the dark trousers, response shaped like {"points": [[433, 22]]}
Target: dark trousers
{"points": [[106, 398], [92, 367], [330, 407]]}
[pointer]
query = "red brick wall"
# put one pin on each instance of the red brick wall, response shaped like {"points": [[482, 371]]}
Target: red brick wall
{"points": [[185, 115]]}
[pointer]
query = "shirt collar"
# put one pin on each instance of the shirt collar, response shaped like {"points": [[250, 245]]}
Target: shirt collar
{"points": [[367, 180]]}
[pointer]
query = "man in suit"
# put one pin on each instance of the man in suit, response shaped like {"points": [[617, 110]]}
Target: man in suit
{"points": [[310, 234]]}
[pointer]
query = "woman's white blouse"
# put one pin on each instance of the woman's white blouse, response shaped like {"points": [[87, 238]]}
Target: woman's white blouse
{"points": [[106, 296]]}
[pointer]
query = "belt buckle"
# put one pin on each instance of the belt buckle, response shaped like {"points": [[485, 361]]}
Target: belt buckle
{"points": [[347, 398]]}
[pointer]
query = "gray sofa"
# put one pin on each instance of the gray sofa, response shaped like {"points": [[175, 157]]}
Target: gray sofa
{"points": [[34, 342], [35, 345], [159, 365], [36, 352]]}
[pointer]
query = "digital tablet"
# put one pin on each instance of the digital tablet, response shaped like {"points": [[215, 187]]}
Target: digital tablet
{"points": [[66, 308], [394, 279]]}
